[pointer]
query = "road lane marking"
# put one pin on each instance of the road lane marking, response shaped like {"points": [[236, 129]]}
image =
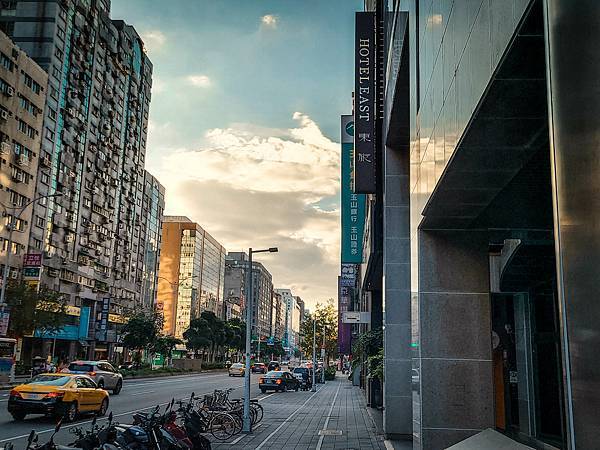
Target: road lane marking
{"points": [[320, 443], [266, 396], [142, 393], [290, 417]]}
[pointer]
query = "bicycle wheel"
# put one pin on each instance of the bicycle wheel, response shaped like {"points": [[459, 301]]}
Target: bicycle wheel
{"points": [[259, 411], [222, 426]]}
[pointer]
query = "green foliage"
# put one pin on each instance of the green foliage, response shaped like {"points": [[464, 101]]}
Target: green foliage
{"points": [[31, 310], [327, 323], [330, 373], [375, 365], [368, 344], [142, 330], [165, 345], [212, 335]]}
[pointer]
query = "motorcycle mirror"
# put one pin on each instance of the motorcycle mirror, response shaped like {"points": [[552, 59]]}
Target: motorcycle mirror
{"points": [[57, 427], [31, 437]]}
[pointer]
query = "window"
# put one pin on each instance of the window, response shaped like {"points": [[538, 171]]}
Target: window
{"points": [[52, 113], [31, 84], [56, 72], [45, 178], [58, 53], [40, 221], [6, 62], [37, 243], [49, 134]]}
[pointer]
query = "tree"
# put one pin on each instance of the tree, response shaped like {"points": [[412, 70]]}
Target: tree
{"points": [[142, 331], [31, 310], [327, 323], [165, 345], [368, 349], [198, 335]]}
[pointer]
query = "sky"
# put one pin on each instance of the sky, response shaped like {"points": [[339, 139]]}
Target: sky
{"points": [[244, 124]]}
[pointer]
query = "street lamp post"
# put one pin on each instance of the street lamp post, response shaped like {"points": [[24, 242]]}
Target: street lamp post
{"points": [[10, 234], [314, 358], [247, 422]]}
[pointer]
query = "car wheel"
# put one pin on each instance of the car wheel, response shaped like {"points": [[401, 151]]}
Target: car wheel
{"points": [[264, 391], [101, 384], [70, 412], [229, 374], [103, 407], [296, 388], [118, 388], [18, 416]]}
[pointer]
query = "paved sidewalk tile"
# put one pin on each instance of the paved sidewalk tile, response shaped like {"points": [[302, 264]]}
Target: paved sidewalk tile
{"points": [[334, 417]]}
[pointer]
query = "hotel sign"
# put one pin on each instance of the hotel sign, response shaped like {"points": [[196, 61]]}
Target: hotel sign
{"points": [[364, 104]]}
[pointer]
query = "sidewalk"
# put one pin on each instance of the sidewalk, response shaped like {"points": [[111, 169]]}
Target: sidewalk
{"points": [[334, 417]]}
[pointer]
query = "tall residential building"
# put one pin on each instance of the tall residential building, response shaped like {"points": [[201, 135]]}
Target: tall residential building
{"points": [[292, 319], [262, 286], [486, 176], [278, 317], [92, 152], [22, 97], [191, 276]]}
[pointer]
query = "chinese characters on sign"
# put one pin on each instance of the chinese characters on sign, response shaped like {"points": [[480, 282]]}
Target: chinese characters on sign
{"points": [[364, 108], [353, 205]]}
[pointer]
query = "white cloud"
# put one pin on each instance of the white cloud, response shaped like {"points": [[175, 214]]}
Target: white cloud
{"points": [[270, 20], [201, 81], [154, 40], [158, 85], [252, 186]]}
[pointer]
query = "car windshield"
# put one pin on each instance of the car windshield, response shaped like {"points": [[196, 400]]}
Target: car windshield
{"points": [[236, 366], [275, 374], [79, 367], [300, 370], [49, 380]]}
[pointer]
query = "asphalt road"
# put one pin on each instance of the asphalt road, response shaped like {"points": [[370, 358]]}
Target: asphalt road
{"points": [[136, 395]]}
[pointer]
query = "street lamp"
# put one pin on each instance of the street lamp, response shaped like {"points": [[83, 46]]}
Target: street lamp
{"points": [[247, 422], [10, 233]]}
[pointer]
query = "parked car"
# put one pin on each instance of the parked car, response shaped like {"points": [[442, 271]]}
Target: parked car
{"points": [[236, 370], [130, 366], [64, 395], [304, 375], [102, 372], [278, 380], [259, 368], [274, 365]]}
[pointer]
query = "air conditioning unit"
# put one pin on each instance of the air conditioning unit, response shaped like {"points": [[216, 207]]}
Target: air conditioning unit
{"points": [[46, 161], [23, 160], [10, 91], [69, 238], [4, 114]]}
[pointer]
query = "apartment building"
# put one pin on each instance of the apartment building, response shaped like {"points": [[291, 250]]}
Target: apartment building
{"points": [[93, 146], [262, 286], [22, 98], [191, 276]]}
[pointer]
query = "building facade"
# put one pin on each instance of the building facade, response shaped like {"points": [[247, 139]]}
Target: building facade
{"points": [[22, 97], [191, 274], [278, 317], [262, 286], [92, 153], [489, 209], [154, 203], [292, 319]]}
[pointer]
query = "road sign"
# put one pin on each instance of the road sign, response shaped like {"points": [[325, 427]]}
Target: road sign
{"points": [[356, 317]]}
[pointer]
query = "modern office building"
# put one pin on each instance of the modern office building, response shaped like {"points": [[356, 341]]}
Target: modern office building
{"points": [[92, 152], [278, 317], [191, 275], [22, 98], [154, 203], [262, 287], [485, 150]]}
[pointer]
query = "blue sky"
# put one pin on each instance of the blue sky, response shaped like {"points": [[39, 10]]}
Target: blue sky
{"points": [[257, 85]]}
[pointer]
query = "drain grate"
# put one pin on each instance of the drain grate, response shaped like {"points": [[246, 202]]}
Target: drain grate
{"points": [[330, 432]]}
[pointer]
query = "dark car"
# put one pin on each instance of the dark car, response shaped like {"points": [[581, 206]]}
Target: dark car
{"points": [[277, 380], [274, 365], [259, 368]]}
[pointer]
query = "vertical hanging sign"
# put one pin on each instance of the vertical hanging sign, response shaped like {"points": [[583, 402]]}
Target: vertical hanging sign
{"points": [[364, 104], [352, 205]]}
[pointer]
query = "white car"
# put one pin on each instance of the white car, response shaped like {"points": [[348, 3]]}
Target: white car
{"points": [[102, 372]]}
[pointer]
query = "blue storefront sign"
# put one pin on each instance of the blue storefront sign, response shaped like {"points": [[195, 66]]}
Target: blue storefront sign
{"points": [[353, 205]]}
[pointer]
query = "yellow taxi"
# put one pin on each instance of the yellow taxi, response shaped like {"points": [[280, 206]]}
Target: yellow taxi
{"points": [[59, 394], [237, 370]]}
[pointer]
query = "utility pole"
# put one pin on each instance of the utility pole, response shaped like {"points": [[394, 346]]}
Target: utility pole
{"points": [[323, 354], [314, 368]]}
